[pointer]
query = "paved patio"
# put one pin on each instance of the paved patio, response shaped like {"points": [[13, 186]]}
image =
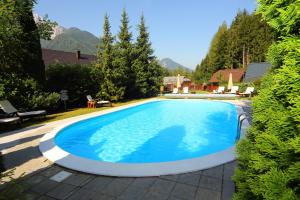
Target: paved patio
{"points": [[20, 150]]}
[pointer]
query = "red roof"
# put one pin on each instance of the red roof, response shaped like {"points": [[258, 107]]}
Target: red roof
{"points": [[54, 56], [223, 75]]}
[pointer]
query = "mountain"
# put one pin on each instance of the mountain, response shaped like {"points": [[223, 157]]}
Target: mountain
{"points": [[72, 39], [171, 64]]}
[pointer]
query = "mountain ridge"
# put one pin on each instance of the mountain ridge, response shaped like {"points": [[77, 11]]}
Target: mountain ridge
{"points": [[172, 65]]}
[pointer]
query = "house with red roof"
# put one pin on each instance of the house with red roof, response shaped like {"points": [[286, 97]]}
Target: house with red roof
{"points": [[223, 76]]}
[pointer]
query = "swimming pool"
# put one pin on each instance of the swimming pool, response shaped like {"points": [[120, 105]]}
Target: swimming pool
{"points": [[156, 133]]}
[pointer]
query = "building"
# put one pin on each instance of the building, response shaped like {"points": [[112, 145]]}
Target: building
{"points": [[170, 82], [255, 71], [54, 56], [223, 76]]}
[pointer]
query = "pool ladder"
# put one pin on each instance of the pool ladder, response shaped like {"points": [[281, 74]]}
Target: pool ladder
{"points": [[241, 118]]}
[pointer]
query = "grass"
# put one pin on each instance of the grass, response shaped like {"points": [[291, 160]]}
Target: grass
{"points": [[72, 113]]}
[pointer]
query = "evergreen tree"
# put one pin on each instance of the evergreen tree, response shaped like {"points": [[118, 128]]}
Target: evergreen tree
{"points": [[148, 72], [124, 57], [110, 76]]}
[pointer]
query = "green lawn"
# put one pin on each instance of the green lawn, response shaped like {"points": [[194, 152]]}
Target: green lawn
{"points": [[71, 113]]}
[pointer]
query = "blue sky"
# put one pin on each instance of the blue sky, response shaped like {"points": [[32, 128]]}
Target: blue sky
{"points": [[180, 30]]}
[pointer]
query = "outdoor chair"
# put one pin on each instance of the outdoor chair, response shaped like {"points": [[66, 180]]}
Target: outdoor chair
{"points": [[234, 90], [10, 110], [185, 90], [94, 102], [175, 91], [248, 92], [220, 90], [10, 120]]}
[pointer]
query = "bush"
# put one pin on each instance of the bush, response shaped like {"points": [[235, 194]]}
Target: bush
{"points": [[74, 78], [25, 93]]}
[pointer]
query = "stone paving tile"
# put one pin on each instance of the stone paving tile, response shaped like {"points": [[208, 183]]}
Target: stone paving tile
{"points": [[146, 182], [99, 183], [151, 195], [216, 172], [44, 186], [210, 183], [133, 193], [162, 186], [33, 180], [45, 198], [190, 179], [206, 194], [62, 191], [100, 196], [117, 186], [51, 171], [229, 170], [228, 189], [82, 193], [169, 177], [30, 196], [78, 179], [183, 191]]}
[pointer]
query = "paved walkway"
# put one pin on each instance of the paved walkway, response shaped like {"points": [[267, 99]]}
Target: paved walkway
{"points": [[20, 149]]}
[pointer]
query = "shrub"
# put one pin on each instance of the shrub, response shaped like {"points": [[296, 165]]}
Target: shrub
{"points": [[74, 78], [25, 93]]}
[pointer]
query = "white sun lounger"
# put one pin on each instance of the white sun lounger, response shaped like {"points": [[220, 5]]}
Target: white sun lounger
{"points": [[220, 90], [10, 120], [185, 90], [99, 102], [9, 109], [233, 90], [248, 91]]}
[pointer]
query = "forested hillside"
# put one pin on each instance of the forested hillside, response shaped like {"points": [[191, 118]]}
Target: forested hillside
{"points": [[248, 34]]}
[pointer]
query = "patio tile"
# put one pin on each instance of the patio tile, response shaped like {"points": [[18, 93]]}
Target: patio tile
{"points": [[44, 186], [216, 172], [183, 191], [46, 198], [206, 194], [210, 183], [30, 196], [51, 171], [132, 193], [144, 182], [99, 183], [190, 179], [228, 190], [62, 191], [170, 177], [60, 176], [162, 186], [78, 179], [151, 195], [229, 170], [117, 186], [82, 193]]}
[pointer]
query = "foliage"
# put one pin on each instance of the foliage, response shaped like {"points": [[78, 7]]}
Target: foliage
{"points": [[248, 34], [79, 81], [269, 165], [147, 70], [24, 92], [45, 27]]}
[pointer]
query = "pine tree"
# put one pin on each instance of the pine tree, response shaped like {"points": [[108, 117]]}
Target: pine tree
{"points": [[124, 57], [109, 76], [148, 72]]}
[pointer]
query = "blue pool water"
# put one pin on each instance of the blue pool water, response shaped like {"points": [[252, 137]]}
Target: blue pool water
{"points": [[158, 131]]}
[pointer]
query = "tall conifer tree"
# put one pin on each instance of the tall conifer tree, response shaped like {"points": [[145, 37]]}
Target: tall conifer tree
{"points": [[109, 88], [148, 72]]}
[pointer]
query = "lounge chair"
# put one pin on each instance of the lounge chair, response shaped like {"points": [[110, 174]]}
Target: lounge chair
{"points": [[220, 90], [97, 101], [175, 91], [10, 120], [12, 111], [248, 92], [233, 90], [185, 90]]}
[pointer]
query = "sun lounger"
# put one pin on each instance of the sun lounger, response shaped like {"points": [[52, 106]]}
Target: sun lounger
{"points": [[233, 90], [248, 91], [9, 109], [10, 120], [175, 91], [220, 90], [97, 101], [185, 90]]}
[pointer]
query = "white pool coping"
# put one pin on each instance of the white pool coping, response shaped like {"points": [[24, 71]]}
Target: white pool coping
{"points": [[57, 155]]}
